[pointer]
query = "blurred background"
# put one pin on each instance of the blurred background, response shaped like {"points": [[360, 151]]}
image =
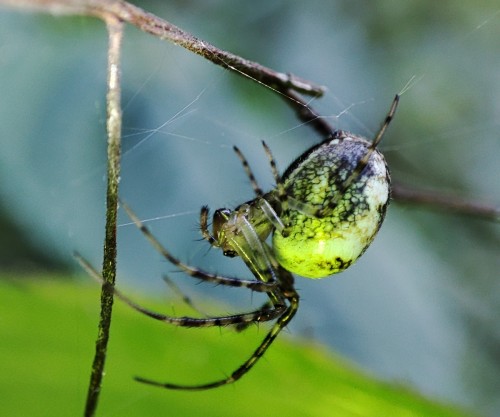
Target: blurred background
{"points": [[420, 307]]}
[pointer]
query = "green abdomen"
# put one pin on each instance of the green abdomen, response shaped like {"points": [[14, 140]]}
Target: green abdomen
{"points": [[318, 246]]}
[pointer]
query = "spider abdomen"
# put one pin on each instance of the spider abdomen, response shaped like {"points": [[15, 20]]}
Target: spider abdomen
{"points": [[332, 224]]}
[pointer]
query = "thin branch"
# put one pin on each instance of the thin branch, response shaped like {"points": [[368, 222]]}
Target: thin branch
{"points": [[436, 200], [115, 33], [162, 29]]}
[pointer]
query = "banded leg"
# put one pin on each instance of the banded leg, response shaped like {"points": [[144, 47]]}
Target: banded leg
{"points": [[366, 157], [282, 196], [363, 161], [249, 172], [257, 316], [195, 272], [264, 204], [248, 364], [204, 213], [184, 298]]}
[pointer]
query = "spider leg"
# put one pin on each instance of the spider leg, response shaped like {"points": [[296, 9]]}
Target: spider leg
{"points": [[257, 256], [257, 316], [185, 298], [264, 204], [249, 243], [282, 196], [266, 306], [195, 272], [204, 213], [280, 324], [249, 172], [378, 137], [363, 162]]}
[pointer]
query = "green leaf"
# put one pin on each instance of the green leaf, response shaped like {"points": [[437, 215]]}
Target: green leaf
{"points": [[46, 347]]}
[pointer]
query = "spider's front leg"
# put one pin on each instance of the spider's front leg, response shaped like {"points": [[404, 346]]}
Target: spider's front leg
{"points": [[193, 271], [242, 231], [239, 320]]}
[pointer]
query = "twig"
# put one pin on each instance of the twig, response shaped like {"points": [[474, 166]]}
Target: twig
{"points": [[162, 29], [115, 33], [444, 202]]}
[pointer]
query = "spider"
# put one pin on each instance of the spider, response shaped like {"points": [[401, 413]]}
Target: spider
{"points": [[323, 214]]}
